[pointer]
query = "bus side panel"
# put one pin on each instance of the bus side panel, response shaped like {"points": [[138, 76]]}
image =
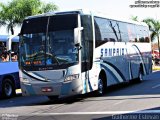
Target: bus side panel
{"points": [[90, 82], [114, 61], [9, 69], [146, 56], [15, 79], [134, 58], [1, 77], [139, 56], [116, 69]]}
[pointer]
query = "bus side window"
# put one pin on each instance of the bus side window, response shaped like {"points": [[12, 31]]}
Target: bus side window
{"points": [[14, 57], [0, 58], [4, 57]]}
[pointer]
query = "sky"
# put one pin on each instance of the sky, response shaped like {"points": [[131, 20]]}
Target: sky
{"points": [[118, 8]]}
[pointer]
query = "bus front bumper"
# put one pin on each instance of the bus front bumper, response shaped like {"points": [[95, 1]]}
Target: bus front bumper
{"points": [[51, 89]]}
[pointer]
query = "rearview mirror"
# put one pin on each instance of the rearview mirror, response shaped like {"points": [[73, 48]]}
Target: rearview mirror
{"points": [[77, 34], [78, 46]]}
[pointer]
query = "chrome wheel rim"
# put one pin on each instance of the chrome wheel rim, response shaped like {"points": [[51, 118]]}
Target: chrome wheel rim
{"points": [[100, 86]]}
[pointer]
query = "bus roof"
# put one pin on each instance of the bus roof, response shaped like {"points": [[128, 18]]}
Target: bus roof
{"points": [[88, 12]]}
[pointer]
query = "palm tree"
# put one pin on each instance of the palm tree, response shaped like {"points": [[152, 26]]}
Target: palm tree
{"points": [[134, 18], [154, 26], [13, 13]]}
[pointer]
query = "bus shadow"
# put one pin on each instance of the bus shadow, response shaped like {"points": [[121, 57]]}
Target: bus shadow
{"points": [[125, 89], [67, 100], [147, 89], [149, 86]]}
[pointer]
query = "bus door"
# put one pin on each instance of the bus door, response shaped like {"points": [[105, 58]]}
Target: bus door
{"points": [[86, 52]]}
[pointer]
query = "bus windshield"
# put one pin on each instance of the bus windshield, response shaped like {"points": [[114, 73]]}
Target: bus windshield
{"points": [[48, 41]]}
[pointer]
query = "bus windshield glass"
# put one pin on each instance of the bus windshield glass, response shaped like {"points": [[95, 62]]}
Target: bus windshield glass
{"points": [[48, 41]]}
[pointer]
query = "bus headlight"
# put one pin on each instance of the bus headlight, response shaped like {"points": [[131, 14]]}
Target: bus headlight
{"points": [[24, 80], [71, 77]]}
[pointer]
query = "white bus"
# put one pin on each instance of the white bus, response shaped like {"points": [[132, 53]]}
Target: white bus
{"points": [[76, 52], [9, 71]]}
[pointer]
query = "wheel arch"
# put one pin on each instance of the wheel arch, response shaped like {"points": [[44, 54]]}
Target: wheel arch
{"points": [[9, 76], [141, 68]]}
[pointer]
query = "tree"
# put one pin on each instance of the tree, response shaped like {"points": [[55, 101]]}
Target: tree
{"points": [[154, 26], [14, 12], [134, 18]]}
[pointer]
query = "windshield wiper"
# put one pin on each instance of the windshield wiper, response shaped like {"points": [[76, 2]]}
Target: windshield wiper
{"points": [[53, 56]]}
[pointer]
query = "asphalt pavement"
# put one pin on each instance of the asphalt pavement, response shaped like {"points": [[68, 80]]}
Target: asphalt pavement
{"points": [[127, 101]]}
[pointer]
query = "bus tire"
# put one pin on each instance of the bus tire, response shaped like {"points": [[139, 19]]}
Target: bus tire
{"points": [[101, 85], [8, 88], [140, 74]]}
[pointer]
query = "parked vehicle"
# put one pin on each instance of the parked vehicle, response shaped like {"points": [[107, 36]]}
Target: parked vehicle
{"points": [[9, 71], [156, 57]]}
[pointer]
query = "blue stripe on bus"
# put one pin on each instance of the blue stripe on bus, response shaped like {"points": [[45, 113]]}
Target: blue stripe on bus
{"points": [[118, 71], [144, 66], [89, 84], [90, 87], [111, 73], [85, 87]]}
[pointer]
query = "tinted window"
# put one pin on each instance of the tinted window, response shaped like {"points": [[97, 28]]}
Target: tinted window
{"points": [[142, 33], [105, 31], [35, 25], [87, 43], [4, 56], [131, 32], [15, 46], [2, 47], [116, 29], [146, 34], [62, 22], [123, 31], [49, 43]]}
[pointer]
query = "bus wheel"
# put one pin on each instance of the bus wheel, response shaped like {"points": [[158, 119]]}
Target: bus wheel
{"points": [[8, 89], [101, 87], [140, 76]]}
